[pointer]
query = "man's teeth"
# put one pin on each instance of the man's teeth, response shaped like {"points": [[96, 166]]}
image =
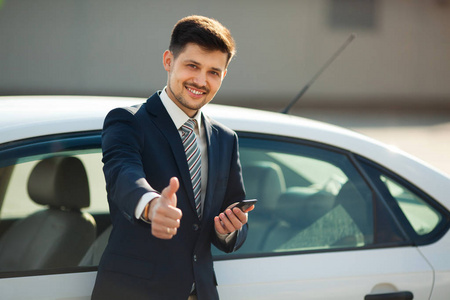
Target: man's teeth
{"points": [[195, 92]]}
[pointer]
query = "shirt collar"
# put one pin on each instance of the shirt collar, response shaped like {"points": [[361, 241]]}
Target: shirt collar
{"points": [[178, 116]]}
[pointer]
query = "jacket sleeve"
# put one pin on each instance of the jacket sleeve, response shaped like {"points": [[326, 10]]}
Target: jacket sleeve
{"points": [[122, 143]]}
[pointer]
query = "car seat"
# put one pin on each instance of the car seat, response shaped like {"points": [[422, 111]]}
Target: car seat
{"points": [[358, 204], [59, 235]]}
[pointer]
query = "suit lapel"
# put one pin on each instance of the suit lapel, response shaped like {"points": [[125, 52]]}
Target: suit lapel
{"points": [[162, 120], [213, 157]]}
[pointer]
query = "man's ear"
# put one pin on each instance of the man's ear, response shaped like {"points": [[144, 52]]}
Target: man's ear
{"points": [[168, 60]]}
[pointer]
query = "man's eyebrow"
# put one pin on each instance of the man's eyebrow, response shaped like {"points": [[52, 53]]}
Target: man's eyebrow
{"points": [[217, 69], [192, 61]]}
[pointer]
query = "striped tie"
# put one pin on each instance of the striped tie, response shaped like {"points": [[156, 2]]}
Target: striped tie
{"points": [[193, 160]]}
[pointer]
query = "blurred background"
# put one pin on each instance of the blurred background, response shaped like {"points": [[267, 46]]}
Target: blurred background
{"points": [[392, 82]]}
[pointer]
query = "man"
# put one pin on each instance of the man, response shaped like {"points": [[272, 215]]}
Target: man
{"points": [[171, 190]]}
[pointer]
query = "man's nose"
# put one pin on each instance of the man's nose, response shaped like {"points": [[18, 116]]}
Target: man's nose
{"points": [[200, 79]]}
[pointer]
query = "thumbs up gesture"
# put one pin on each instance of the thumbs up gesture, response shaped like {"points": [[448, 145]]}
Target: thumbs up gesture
{"points": [[163, 212]]}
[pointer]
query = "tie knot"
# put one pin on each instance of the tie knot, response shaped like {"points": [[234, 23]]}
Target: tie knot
{"points": [[189, 125]]}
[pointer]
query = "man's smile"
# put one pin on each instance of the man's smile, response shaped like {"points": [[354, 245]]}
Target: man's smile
{"points": [[195, 91]]}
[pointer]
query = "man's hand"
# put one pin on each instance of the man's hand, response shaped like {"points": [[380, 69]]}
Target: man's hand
{"points": [[231, 219], [163, 212]]}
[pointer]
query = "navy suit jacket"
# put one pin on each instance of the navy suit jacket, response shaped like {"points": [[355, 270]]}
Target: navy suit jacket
{"points": [[141, 146]]}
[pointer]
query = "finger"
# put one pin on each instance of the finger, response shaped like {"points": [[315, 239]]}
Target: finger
{"points": [[160, 209], [242, 216], [236, 221], [174, 213], [163, 232], [167, 231], [170, 190], [162, 235], [166, 221], [219, 226], [250, 209], [226, 222]]}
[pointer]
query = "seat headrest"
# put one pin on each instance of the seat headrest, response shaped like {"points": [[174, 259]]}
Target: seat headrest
{"points": [[264, 180], [61, 182], [357, 204]]}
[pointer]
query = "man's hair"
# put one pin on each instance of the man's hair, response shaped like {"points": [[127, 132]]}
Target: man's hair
{"points": [[205, 32]]}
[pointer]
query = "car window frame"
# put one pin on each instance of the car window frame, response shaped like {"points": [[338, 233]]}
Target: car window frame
{"points": [[373, 171], [46, 144]]}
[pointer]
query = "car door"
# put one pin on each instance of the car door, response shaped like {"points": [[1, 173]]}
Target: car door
{"points": [[321, 230], [45, 253]]}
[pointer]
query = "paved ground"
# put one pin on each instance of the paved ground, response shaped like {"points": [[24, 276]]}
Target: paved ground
{"points": [[425, 135]]}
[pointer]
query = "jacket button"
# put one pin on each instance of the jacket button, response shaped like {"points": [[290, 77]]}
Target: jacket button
{"points": [[195, 227], [195, 257]]}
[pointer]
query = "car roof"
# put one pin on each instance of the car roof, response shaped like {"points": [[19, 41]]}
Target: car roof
{"points": [[46, 115], [23, 117]]}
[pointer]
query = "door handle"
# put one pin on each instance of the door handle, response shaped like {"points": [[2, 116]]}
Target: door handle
{"points": [[390, 296]]}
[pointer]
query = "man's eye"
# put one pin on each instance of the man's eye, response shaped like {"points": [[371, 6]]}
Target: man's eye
{"points": [[192, 66]]}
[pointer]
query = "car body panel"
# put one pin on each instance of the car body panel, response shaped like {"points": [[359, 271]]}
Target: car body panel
{"points": [[370, 271], [73, 286], [437, 255]]}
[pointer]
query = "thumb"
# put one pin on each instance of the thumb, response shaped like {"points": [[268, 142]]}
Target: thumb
{"points": [[170, 190]]}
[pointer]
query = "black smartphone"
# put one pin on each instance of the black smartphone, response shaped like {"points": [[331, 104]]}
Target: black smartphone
{"points": [[245, 204]]}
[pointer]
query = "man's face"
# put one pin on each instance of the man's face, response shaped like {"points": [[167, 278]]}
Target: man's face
{"points": [[194, 77]]}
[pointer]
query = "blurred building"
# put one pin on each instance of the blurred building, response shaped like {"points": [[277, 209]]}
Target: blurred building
{"points": [[401, 57]]}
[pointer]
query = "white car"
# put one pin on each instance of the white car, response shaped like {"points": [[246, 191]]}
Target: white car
{"points": [[339, 216]]}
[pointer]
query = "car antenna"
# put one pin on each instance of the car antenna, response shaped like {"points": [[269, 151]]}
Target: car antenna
{"points": [[330, 60]]}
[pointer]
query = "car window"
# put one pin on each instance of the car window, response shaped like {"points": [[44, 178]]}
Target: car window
{"points": [[53, 205], [309, 198], [421, 215]]}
